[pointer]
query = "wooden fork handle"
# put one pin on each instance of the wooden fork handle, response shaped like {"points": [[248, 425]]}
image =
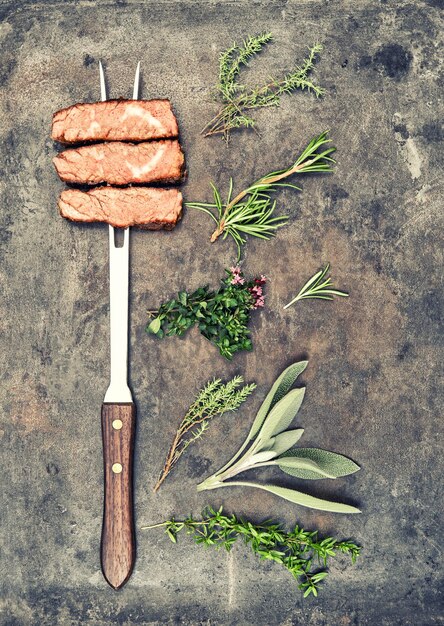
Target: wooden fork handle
{"points": [[118, 547]]}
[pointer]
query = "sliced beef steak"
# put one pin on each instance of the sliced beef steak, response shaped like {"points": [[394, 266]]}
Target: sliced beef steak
{"points": [[145, 207], [119, 163], [115, 120]]}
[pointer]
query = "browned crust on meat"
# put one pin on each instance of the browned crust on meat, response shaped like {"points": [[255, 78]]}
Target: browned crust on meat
{"points": [[149, 208], [106, 121]]}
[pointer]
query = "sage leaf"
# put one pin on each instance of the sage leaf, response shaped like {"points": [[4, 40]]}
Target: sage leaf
{"points": [[269, 445], [262, 457], [154, 327], [297, 497], [272, 446], [334, 464], [293, 465], [284, 441], [276, 393], [281, 415]]}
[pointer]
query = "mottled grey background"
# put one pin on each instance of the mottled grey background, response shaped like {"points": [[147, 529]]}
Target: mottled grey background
{"points": [[372, 382]]}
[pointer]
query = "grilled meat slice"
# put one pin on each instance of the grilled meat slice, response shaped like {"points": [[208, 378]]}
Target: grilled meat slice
{"points": [[119, 163], [115, 120], [146, 207]]}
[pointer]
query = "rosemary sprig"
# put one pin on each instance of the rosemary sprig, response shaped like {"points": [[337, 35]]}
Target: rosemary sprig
{"points": [[301, 552], [239, 100], [318, 288], [214, 399], [251, 211]]}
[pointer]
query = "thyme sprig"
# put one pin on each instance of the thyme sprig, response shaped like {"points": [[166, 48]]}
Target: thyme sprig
{"points": [[251, 212], [301, 552], [232, 60], [239, 100], [216, 398], [318, 287]]}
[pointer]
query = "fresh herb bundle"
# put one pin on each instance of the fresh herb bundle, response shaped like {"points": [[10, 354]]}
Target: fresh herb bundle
{"points": [[301, 552], [216, 398], [239, 100], [222, 316], [251, 212], [269, 443], [318, 288]]}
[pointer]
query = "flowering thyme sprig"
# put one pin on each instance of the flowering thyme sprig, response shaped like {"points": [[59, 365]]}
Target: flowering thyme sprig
{"points": [[222, 316]]}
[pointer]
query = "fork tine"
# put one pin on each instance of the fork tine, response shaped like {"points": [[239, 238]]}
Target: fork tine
{"points": [[102, 82], [136, 82]]}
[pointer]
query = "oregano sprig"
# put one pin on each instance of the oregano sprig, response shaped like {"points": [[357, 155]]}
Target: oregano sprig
{"points": [[239, 100], [304, 554], [222, 316], [216, 398], [251, 211], [269, 443]]}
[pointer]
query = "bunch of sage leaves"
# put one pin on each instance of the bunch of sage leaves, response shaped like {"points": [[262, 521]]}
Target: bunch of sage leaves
{"points": [[269, 443]]}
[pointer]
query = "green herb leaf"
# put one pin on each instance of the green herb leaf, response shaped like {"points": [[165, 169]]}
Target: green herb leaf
{"points": [[334, 464], [303, 499], [281, 415], [271, 439], [216, 398], [276, 393], [284, 441], [222, 316], [262, 456], [154, 326], [292, 465]]}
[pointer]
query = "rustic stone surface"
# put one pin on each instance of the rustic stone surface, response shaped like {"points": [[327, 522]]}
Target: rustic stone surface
{"points": [[372, 382]]}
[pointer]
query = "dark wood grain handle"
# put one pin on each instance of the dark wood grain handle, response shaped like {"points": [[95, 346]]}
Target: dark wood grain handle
{"points": [[118, 548]]}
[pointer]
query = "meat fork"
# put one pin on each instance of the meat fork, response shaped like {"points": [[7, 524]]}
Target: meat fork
{"points": [[118, 545]]}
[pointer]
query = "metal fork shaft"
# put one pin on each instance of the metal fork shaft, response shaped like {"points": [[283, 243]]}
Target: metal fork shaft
{"points": [[118, 390]]}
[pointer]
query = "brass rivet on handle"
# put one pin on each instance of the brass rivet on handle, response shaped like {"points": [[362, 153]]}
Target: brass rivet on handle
{"points": [[117, 468], [117, 424]]}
